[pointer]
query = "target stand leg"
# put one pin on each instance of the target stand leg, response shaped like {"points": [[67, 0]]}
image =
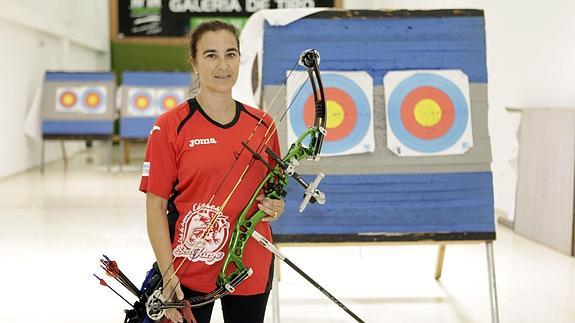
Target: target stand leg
{"points": [[121, 162], [439, 261], [64, 155], [492, 284]]}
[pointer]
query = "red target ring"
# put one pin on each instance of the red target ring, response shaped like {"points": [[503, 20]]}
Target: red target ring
{"points": [[348, 115], [419, 130]]}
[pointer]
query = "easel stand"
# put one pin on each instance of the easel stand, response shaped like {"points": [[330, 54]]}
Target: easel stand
{"points": [[490, 272], [438, 271], [125, 144], [62, 138]]}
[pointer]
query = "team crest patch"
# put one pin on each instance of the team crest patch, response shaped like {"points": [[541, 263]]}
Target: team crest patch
{"points": [[198, 243]]}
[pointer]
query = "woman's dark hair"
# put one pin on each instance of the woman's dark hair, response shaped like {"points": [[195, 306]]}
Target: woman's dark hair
{"points": [[213, 25]]}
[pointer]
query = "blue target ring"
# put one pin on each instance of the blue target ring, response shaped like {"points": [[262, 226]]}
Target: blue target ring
{"points": [[443, 84], [361, 104]]}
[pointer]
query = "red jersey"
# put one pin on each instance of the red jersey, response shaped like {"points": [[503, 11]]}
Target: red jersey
{"points": [[187, 157]]}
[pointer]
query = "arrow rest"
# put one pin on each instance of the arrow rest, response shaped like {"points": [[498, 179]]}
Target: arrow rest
{"points": [[312, 194]]}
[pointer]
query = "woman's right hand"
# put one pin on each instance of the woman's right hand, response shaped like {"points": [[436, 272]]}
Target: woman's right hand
{"points": [[172, 291]]}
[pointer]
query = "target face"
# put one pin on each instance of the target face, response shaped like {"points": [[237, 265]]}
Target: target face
{"points": [[428, 112], [81, 99], [141, 102], [349, 108], [169, 99], [66, 100], [94, 100]]}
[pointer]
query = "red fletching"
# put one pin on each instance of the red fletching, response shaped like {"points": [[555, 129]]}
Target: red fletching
{"points": [[110, 272], [102, 282], [114, 266], [111, 268]]}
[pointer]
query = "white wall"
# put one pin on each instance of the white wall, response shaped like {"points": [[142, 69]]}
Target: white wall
{"points": [[36, 36], [530, 62]]}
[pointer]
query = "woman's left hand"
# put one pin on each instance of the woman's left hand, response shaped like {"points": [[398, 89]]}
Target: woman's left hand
{"points": [[274, 208]]}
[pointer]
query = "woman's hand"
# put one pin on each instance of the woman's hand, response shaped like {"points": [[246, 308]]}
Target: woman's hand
{"points": [[173, 291], [274, 208]]}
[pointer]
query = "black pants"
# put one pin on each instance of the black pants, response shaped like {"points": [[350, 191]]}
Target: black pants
{"points": [[236, 309]]}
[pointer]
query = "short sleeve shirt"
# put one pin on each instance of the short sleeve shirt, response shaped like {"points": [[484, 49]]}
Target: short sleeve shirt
{"points": [[194, 162]]}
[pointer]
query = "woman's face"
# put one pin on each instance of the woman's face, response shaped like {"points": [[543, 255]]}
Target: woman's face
{"points": [[217, 61]]}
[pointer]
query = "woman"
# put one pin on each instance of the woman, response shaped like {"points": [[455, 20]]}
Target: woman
{"points": [[190, 169]]}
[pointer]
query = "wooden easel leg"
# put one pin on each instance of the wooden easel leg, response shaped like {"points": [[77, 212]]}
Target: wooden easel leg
{"points": [[492, 284], [127, 152], [439, 261], [64, 155], [121, 154], [275, 291]]}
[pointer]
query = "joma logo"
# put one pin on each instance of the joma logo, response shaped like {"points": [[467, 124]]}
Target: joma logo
{"points": [[202, 141]]}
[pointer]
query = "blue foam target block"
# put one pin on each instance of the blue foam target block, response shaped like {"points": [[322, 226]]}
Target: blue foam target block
{"points": [[136, 127], [179, 79], [379, 45], [78, 127], [393, 204], [79, 76]]}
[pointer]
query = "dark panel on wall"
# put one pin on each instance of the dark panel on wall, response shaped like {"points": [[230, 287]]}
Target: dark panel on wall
{"points": [[148, 57]]}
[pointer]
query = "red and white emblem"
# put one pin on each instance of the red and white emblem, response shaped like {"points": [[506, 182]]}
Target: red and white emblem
{"points": [[202, 234]]}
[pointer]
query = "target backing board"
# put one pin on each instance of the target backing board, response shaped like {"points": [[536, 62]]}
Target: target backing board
{"points": [[349, 100], [428, 112], [81, 99]]}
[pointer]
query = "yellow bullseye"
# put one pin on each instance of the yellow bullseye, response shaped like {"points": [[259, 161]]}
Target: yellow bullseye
{"points": [[68, 100], [427, 113], [169, 103], [335, 114], [92, 99], [142, 102]]}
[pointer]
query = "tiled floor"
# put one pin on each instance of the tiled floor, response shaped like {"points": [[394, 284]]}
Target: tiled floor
{"points": [[54, 227]]}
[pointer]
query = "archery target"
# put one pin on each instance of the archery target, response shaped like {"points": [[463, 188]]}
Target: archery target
{"points": [[169, 99], [94, 100], [349, 108], [66, 99], [141, 101], [428, 112]]}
